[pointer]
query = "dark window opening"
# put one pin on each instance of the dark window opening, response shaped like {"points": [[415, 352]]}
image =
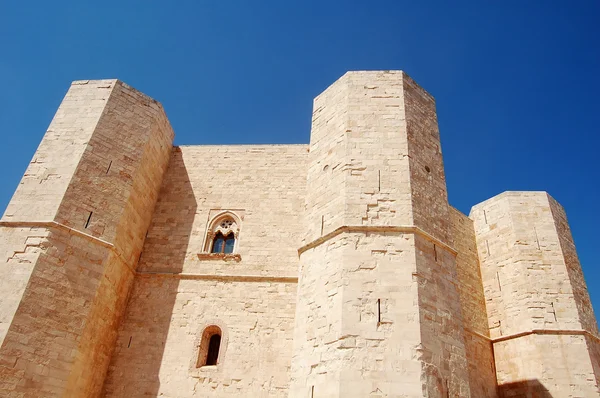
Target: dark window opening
{"points": [[213, 349], [223, 244], [210, 346]]}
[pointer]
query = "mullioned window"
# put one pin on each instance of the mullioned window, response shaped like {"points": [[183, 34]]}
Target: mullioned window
{"points": [[222, 238]]}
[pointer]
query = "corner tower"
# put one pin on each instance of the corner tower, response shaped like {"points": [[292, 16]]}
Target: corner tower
{"points": [[541, 321], [378, 310], [71, 237]]}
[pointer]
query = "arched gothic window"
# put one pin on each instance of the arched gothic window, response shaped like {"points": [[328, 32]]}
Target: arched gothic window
{"points": [[222, 234], [210, 347]]}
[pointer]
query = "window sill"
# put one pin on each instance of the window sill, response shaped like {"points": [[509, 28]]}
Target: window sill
{"points": [[220, 256], [208, 368], [205, 371]]}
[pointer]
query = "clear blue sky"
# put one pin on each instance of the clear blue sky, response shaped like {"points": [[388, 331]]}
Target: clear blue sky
{"points": [[516, 82]]}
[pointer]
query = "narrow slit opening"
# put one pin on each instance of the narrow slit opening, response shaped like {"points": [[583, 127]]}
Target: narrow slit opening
{"points": [[87, 223]]}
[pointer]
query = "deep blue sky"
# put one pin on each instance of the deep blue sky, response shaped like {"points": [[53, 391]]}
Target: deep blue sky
{"points": [[516, 82]]}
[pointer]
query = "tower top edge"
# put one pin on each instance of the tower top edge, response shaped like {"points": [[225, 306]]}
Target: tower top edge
{"points": [[375, 77], [111, 83], [505, 194]]}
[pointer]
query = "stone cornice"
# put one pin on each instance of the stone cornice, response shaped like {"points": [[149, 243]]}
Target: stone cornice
{"points": [[381, 229], [55, 225], [567, 332], [222, 278], [564, 332], [478, 334]]}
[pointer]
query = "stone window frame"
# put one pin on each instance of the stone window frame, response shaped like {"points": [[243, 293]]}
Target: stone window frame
{"points": [[213, 227], [197, 370], [204, 349]]}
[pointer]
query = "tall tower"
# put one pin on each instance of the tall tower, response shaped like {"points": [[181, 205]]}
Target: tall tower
{"points": [[541, 320], [378, 310], [71, 237]]}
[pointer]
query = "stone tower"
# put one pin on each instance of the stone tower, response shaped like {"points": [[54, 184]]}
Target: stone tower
{"points": [[71, 237], [541, 321], [378, 310]]}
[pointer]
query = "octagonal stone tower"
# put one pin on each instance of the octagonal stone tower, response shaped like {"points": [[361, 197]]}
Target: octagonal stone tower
{"points": [[72, 235], [541, 320], [378, 310]]}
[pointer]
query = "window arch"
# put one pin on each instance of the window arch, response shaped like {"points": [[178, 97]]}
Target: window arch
{"points": [[223, 234], [210, 346]]}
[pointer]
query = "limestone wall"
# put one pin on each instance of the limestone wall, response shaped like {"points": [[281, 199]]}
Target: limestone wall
{"points": [[45, 340], [120, 174], [518, 244], [358, 318], [480, 356], [41, 190], [538, 308], [576, 279], [377, 309], [263, 184], [560, 365], [329, 163], [177, 293], [20, 250], [429, 198], [127, 157], [442, 350], [157, 348], [62, 334]]}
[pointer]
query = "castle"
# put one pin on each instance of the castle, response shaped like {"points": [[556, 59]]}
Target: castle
{"points": [[133, 268]]}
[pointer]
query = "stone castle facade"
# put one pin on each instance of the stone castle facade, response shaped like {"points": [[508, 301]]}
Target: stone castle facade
{"points": [[134, 268]]}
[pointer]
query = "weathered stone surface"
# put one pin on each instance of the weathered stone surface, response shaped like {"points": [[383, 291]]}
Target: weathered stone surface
{"points": [[349, 276], [540, 316], [378, 312], [177, 294], [75, 245]]}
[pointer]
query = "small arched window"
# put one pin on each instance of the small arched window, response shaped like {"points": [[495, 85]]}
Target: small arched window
{"points": [[210, 346]]}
